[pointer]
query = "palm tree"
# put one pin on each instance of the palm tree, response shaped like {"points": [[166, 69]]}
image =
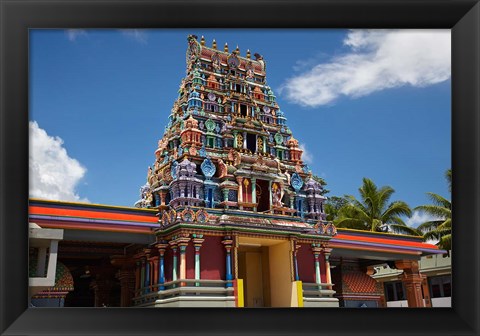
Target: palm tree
{"points": [[333, 206], [374, 212], [439, 228]]}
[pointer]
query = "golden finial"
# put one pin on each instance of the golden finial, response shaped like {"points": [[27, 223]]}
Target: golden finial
{"points": [[248, 54], [225, 48], [202, 41], [238, 49], [214, 44]]}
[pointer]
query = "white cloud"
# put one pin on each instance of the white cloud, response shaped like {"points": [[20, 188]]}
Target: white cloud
{"points": [[305, 64], [377, 60], [53, 174], [72, 34], [307, 157], [138, 35], [419, 218]]}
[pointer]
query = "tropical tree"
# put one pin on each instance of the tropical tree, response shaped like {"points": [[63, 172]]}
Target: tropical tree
{"points": [[440, 227], [322, 182], [374, 211], [333, 206]]}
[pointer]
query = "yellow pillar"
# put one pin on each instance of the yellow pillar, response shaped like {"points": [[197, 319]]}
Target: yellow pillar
{"points": [[326, 253], [240, 192], [182, 243]]}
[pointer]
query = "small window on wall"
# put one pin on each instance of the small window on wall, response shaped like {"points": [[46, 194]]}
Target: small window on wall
{"points": [[440, 286], [280, 154], [394, 291], [243, 110]]}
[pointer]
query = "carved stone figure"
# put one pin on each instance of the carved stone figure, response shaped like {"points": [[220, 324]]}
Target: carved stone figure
{"points": [[149, 174], [287, 175], [222, 168], [277, 160], [237, 158]]}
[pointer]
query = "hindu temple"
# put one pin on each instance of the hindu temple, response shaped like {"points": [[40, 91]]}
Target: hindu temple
{"points": [[230, 215]]}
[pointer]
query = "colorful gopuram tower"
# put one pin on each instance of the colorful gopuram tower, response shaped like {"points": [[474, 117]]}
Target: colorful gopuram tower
{"points": [[236, 202]]}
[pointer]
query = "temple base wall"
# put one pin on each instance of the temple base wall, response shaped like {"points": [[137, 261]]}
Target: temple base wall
{"points": [[320, 303], [202, 302]]}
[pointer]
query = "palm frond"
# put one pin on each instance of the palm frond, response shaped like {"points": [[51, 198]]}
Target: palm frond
{"points": [[448, 176], [443, 232], [353, 211], [350, 223], [384, 195], [435, 210], [429, 226], [439, 200], [447, 225], [431, 235], [395, 209], [404, 229], [397, 220], [445, 242]]}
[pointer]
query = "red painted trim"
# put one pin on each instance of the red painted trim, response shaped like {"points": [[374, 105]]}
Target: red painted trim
{"points": [[372, 248], [94, 227], [341, 236], [36, 210]]}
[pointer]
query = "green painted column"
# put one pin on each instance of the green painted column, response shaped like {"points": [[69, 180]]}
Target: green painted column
{"points": [[317, 269], [197, 263], [175, 262], [197, 243], [270, 193], [254, 191], [316, 253], [225, 195]]}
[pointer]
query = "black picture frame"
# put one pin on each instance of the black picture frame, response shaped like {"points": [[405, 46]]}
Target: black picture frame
{"points": [[17, 16]]}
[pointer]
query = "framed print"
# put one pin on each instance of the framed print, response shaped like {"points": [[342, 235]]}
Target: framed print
{"points": [[226, 128]]}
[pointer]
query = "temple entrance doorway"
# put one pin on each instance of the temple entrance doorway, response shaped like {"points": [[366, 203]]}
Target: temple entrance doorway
{"points": [[263, 197], [265, 266]]}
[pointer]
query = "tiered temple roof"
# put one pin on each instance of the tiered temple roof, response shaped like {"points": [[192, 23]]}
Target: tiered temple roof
{"points": [[227, 144]]}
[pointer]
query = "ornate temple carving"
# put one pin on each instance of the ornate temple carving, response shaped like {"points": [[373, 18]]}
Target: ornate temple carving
{"points": [[227, 143]]}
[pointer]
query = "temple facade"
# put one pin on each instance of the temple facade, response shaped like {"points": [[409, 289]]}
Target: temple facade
{"points": [[228, 180], [230, 215]]}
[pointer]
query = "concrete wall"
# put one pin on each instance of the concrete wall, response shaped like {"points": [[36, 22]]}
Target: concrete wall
{"points": [[320, 302], [436, 303], [433, 264], [397, 304], [179, 302], [442, 302]]}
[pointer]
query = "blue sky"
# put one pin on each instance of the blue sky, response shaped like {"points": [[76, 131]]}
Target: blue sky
{"points": [[362, 103]]}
